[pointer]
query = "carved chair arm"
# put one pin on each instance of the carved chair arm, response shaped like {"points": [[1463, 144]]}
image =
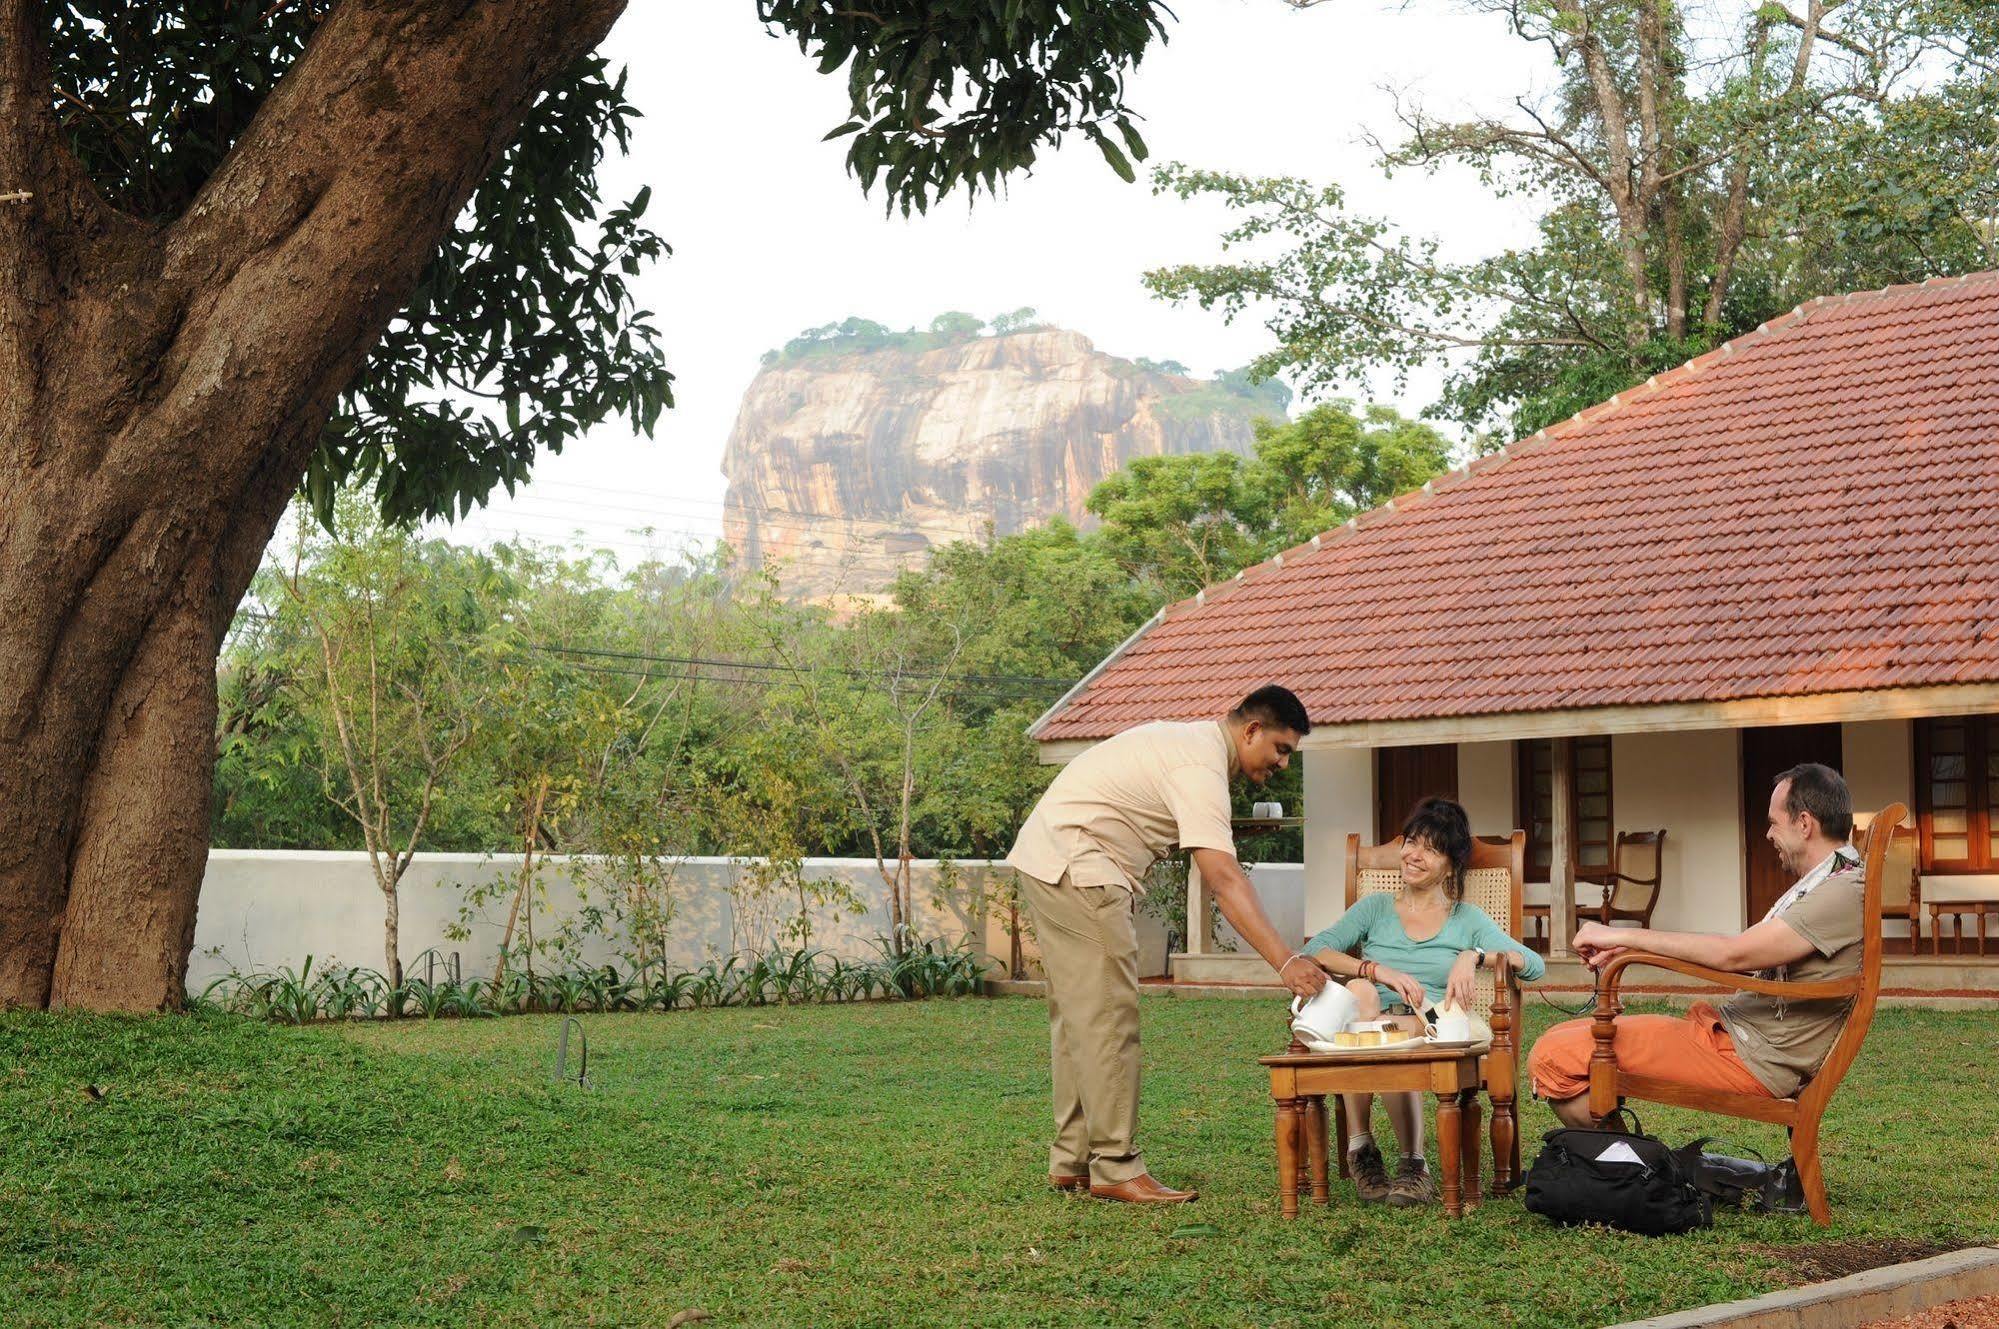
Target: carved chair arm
{"points": [[1613, 975]]}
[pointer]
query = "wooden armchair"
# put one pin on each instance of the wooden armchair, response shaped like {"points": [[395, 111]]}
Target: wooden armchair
{"points": [[1631, 890], [1802, 1114], [1493, 882]]}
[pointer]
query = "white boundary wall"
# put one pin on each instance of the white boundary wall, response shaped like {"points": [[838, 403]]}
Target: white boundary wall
{"points": [[262, 909]]}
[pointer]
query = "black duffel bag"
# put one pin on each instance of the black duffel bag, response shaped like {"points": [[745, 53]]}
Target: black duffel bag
{"points": [[1734, 1182], [1628, 1180]]}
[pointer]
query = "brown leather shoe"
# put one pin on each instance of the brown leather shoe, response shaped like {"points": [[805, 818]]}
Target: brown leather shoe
{"points": [[1142, 1189], [1069, 1181]]}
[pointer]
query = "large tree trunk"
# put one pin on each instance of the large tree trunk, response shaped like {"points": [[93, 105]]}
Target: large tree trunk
{"points": [[161, 389]]}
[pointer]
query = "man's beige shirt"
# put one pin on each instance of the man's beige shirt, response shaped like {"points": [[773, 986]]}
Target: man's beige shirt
{"points": [[1783, 1042], [1122, 805]]}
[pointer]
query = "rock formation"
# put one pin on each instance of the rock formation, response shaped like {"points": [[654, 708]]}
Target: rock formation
{"points": [[845, 466]]}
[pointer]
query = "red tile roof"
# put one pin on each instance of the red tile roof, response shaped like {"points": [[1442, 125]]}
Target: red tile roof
{"points": [[1723, 532]]}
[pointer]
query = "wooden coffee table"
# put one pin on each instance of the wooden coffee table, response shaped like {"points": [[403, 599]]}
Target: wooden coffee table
{"points": [[1300, 1083]]}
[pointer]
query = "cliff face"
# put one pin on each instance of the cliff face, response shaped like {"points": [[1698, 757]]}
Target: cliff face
{"points": [[845, 467]]}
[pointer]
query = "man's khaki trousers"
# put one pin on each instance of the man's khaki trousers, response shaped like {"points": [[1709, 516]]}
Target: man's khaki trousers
{"points": [[1089, 950]]}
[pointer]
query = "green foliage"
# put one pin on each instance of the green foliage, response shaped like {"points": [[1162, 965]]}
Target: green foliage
{"points": [[777, 976], [1023, 319], [955, 326], [666, 712], [1716, 176], [954, 94], [522, 332], [527, 308], [1181, 523]]}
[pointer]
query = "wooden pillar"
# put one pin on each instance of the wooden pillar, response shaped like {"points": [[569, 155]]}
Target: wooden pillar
{"points": [[1562, 848], [1200, 913]]}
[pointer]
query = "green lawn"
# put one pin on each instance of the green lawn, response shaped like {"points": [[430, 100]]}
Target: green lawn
{"points": [[863, 1165]]}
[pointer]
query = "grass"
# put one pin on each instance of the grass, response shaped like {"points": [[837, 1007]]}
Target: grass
{"points": [[861, 1165]]}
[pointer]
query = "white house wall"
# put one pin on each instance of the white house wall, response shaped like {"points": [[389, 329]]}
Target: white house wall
{"points": [[1339, 801], [1689, 785], [1879, 759], [1485, 786]]}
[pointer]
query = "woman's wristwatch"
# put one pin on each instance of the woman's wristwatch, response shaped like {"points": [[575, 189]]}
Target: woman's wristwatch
{"points": [[1479, 951]]}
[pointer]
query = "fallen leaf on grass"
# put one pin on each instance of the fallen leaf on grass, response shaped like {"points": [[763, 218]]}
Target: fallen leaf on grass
{"points": [[454, 1171], [95, 1091], [688, 1317], [530, 1235], [1196, 1230], [788, 1266]]}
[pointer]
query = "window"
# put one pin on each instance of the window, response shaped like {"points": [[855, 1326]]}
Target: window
{"points": [[1589, 815], [1957, 793]]}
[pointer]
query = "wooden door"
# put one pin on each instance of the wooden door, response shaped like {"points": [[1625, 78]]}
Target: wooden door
{"points": [[1404, 777], [1766, 753]]}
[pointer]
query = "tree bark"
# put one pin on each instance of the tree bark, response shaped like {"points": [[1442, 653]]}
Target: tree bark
{"points": [[1622, 174], [161, 390]]}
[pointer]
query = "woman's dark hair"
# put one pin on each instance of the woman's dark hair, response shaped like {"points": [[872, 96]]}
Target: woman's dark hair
{"points": [[1442, 825]]}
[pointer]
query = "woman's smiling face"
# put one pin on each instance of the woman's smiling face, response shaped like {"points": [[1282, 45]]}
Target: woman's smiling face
{"points": [[1422, 863]]}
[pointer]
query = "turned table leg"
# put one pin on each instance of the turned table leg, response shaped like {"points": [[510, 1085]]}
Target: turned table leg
{"points": [[1450, 1145], [1472, 1114], [1288, 1113], [1315, 1149], [1504, 1127]]}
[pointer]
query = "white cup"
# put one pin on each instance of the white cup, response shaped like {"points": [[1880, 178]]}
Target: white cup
{"points": [[1323, 1016], [1267, 811], [1452, 1028]]}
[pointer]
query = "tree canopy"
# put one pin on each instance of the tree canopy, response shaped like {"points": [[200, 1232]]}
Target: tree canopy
{"points": [[1692, 181]]}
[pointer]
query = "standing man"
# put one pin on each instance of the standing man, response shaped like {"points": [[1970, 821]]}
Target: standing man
{"points": [[1082, 856]]}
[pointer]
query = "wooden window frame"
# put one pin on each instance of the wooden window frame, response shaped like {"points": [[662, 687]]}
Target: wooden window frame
{"points": [[1523, 807], [1981, 737]]}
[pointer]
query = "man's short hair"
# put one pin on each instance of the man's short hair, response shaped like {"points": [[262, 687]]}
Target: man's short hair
{"points": [[1821, 791], [1274, 707]]}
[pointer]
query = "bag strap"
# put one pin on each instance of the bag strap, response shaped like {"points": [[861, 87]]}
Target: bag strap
{"points": [[1734, 1150], [1637, 1127]]}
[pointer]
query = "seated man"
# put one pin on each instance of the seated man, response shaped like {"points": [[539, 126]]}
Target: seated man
{"points": [[1755, 1044]]}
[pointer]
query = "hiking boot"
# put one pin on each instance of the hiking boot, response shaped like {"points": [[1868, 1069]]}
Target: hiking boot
{"points": [[1370, 1174], [1412, 1185]]}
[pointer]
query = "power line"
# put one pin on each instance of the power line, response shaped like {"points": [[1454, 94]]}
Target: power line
{"points": [[1036, 679], [994, 686], [803, 514]]}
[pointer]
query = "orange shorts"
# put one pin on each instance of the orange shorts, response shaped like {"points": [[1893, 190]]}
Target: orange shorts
{"points": [[1694, 1049]]}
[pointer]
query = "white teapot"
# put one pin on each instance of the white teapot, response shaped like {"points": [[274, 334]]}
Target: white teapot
{"points": [[1317, 1020]]}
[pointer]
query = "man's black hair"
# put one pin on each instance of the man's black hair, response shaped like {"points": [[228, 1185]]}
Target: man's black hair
{"points": [[1821, 791], [1275, 707]]}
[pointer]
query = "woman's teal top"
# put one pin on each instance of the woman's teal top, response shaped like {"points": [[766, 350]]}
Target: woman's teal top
{"points": [[1376, 928]]}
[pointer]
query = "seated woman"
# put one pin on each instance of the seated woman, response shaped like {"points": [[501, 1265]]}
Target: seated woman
{"points": [[1418, 946]]}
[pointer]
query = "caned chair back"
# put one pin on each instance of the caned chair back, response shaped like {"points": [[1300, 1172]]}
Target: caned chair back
{"points": [[1493, 881], [1634, 865], [1900, 866]]}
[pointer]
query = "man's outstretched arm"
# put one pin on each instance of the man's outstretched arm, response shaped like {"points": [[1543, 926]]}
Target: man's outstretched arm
{"points": [[1770, 943], [1244, 911]]}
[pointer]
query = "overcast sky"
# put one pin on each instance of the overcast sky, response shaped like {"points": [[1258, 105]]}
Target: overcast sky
{"points": [[771, 236]]}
